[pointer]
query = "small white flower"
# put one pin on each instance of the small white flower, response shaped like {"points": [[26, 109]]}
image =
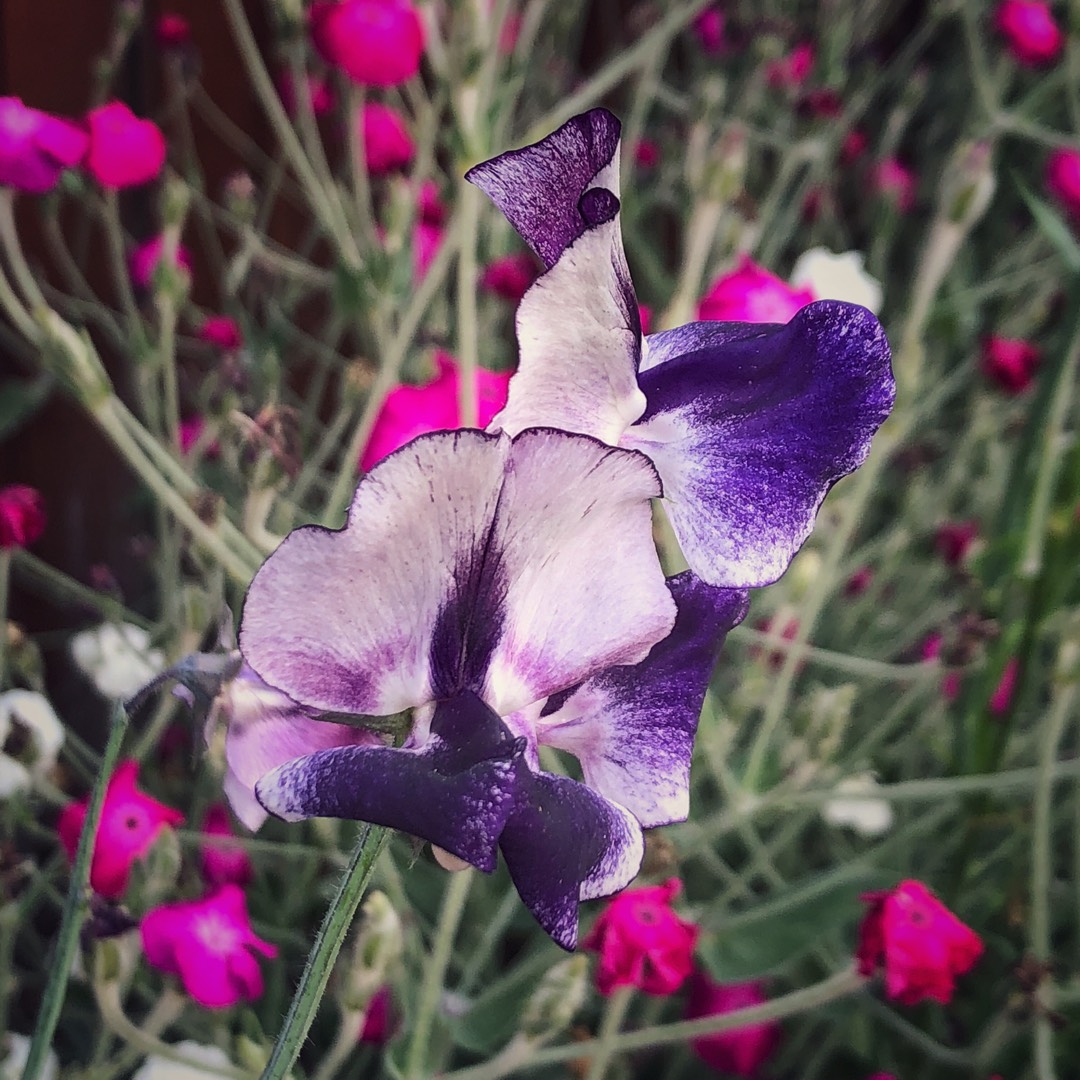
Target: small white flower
{"points": [[14, 1050], [29, 714], [857, 807], [117, 658], [210, 1058], [837, 277]]}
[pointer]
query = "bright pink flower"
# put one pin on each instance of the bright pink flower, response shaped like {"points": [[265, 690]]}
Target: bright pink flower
{"points": [[645, 315], [36, 147], [510, 276], [1063, 179], [1010, 362], [751, 294], [895, 182], [378, 1020], [190, 429], [316, 87], [790, 72], [124, 150], [145, 259], [744, 1050], [709, 30], [173, 31], [22, 516], [387, 142], [920, 944], [642, 942], [427, 239], [208, 943], [410, 411], [1002, 696], [224, 860], [1029, 30], [646, 153], [131, 822], [375, 42], [432, 208], [953, 540], [221, 331]]}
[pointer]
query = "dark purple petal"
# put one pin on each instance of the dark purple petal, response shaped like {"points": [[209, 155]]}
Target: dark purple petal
{"points": [[565, 843], [632, 728], [749, 435], [542, 189], [455, 791], [695, 337]]}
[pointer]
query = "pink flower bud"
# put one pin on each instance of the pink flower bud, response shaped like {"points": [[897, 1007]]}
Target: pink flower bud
{"points": [[1029, 30], [1010, 362], [1063, 179], [22, 516], [387, 142], [124, 150], [709, 30], [375, 42], [145, 259], [173, 31], [221, 331], [896, 183]]}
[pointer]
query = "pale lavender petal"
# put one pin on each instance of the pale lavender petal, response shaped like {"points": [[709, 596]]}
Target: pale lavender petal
{"points": [[748, 436], [456, 791], [632, 728], [540, 187], [565, 843]]}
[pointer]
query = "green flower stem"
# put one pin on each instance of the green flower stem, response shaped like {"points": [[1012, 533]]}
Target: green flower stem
{"points": [[9, 238], [468, 338], [13, 308], [324, 951], [614, 1014], [76, 905], [358, 167], [166, 1011], [836, 987], [453, 907], [344, 1045], [114, 236]]}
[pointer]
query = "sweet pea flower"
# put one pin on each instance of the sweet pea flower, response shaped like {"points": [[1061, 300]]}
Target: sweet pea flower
{"points": [[1063, 179], [509, 277], [222, 331], [837, 277], [921, 945], [748, 426], [147, 257], [511, 597], [642, 942], [386, 139], [117, 658], [36, 147], [751, 294], [28, 715], [124, 150], [131, 822], [1029, 29], [415, 410], [744, 1050], [374, 42], [22, 516], [1010, 362], [223, 859], [209, 945]]}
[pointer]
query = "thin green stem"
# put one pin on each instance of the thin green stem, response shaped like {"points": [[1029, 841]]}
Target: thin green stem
{"points": [[614, 1014]]}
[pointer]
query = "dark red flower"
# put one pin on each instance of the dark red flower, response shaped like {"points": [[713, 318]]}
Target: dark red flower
{"points": [[953, 540], [1010, 362], [741, 1051], [510, 276], [921, 945], [173, 31], [642, 942], [22, 516]]}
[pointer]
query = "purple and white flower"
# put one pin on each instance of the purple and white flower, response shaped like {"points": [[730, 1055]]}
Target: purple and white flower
{"points": [[747, 425]]}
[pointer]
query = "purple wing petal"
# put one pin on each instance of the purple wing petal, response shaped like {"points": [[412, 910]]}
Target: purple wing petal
{"points": [[693, 337], [541, 188], [749, 435], [632, 728], [456, 791], [565, 843]]}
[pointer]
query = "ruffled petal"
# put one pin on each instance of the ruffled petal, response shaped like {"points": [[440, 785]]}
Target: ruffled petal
{"points": [[632, 728], [470, 561], [565, 843], [748, 433], [456, 791]]}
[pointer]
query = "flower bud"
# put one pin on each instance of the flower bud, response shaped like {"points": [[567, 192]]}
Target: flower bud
{"points": [[378, 946], [556, 1000], [969, 183]]}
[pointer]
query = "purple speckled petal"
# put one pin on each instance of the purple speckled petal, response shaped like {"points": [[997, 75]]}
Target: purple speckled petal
{"points": [[693, 338], [565, 843], [542, 188], [632, 728], [748, 436], [456, 791]]}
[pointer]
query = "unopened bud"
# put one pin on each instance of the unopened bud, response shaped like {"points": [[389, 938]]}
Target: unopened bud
{"points": [[969, 184], [239, 196], [378, 945], [556, 1000]]}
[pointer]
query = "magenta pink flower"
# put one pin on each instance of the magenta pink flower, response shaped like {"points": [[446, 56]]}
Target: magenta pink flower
{"points": [[145, 259], [224, 859], [896, 183], [510, 276], [375, 42], [36, 147], [790, 72], [432, 208], [191, 427], [131, 822], [22, 516], [751, 294], [642, 942], [387, 142], [709, 30], [742, 1051], [209, 945], [173, 31], [646, 153], [645, 315], [124, 150], [221, 331], [954, 539], [1029, 30], [415, 410], [1010, 362], [318, 90], [427, 239], [920, 944], [1001, 698], [379, 1019], [1063, 179]]}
